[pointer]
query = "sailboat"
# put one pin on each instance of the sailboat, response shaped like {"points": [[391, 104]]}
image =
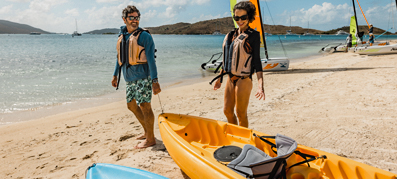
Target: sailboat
{"points": [[289, 32], [266, 34], [377, 50], [217, 32], [75, 33], [356, 36], [307, 32]]}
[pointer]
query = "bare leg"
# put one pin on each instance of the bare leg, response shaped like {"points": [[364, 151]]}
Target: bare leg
{"points": [[229, 102], [149, 126], [243, 92], [134, 108]]}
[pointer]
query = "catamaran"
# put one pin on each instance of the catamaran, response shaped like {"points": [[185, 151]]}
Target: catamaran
{"points": [[356, 35], [377, 50]]}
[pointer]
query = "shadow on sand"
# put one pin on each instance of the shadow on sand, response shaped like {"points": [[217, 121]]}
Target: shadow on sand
{"points": [[320, 70]]}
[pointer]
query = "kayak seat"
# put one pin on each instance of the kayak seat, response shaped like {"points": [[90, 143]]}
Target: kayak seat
{"points": [[254, 163]]}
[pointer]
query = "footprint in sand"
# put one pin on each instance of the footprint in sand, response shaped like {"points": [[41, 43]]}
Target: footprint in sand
{"points": [[88, 156], [125, 137]]}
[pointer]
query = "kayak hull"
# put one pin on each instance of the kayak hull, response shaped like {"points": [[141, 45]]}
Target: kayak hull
{"points": [[106, 171], [191, 142]]}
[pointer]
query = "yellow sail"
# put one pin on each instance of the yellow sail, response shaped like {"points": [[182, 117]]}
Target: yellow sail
{"points": [[256, 24]]}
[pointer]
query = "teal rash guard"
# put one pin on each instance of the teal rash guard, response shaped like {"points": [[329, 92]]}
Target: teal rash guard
{"points": [[136, 72]]}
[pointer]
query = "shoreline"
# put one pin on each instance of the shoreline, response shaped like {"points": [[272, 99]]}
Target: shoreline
{"points": [[95, 101]]}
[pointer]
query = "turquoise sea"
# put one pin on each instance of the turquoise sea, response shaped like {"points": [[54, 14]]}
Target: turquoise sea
{"points": [[41, 71]]}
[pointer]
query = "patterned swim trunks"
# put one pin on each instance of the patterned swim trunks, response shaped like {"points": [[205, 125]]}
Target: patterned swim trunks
{"points": [[140, 90]]}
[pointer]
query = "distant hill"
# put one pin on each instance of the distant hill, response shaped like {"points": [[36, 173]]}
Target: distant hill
{"points": [[7, 27], [104, 31], [224, 25], [361, 28]]}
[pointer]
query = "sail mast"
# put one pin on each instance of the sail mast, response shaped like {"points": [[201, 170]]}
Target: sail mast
{"points": [[355, 16], [263, 32], [363, 14]]}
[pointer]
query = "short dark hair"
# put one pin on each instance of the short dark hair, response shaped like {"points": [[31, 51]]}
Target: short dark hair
{"points": [[247, 6], [130, 9]]}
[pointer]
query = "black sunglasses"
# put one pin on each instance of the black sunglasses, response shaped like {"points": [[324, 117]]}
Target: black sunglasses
{"points": [[133, 17], [237, 18]]}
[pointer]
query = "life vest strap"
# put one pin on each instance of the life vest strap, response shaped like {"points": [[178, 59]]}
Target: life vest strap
{"points": [[118, 80], [219, 76], [217, 69]]}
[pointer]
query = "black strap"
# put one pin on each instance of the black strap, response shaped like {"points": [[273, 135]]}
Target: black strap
{"points": [[217, 69], [219, 76], [303, 155], [268, 142], [308, 160], [118, 80]]}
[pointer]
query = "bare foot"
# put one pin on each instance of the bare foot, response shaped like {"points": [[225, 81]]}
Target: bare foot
{"points": [[145, 144], [142, 137]]}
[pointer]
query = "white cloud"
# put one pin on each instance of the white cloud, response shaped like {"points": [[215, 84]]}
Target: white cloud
{"points": [[72, 12], [205, 17], [107, 16], [18, 0], [44, 5], [6, 9], [201, 2], [319, 15], [106, 1], [328, 16], [227, 14], [149, 14]]}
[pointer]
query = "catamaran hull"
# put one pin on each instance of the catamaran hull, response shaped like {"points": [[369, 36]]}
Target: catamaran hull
{"points": [[377, 50], [342, 48], [274, 64]]}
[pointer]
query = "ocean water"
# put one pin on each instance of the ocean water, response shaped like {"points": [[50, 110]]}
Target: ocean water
{"points": [[38, 71]]}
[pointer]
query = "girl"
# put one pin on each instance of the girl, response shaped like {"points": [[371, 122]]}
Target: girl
{"points": [[241, 60]]}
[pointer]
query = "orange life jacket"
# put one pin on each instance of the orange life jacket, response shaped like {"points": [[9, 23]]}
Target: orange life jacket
{"points": [[136, 53], [238, 61]]}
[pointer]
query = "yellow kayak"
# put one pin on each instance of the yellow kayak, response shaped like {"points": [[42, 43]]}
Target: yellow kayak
{"points": [[192, 142]]}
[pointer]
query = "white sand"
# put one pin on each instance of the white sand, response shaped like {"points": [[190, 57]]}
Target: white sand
{"points": [[340, 103]]}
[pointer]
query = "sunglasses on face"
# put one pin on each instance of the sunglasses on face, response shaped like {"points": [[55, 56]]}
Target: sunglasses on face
{"points": [[237, 18], [133, 17]]}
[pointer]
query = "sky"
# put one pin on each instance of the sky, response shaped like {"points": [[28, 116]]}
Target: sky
{"points": [[60, 16]]}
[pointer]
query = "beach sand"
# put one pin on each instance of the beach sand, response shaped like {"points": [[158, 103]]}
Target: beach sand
{"points": [[342, 103]]}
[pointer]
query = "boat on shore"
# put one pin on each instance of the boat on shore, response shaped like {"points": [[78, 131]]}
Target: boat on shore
{"points": [[35, 33], [193, 142], [377, 50], [272, 64], [105, 171], [341, 32], [217, 32]]}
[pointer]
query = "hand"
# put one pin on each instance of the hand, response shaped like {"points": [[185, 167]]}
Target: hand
{"points": [[114, 81], [156, 88], [260, 93], [217, 84]]}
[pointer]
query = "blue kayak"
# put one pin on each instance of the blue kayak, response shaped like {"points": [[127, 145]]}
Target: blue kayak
{"points": [[104, 170]]}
